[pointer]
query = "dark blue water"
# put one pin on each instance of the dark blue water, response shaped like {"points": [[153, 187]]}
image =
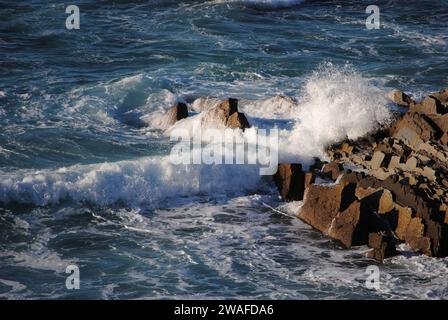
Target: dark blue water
{"points": [[84, 174]]}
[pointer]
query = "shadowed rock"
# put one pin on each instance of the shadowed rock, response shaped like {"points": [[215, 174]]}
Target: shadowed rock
{"points": [[291, 181], [225, 115], [176, 113], [383, 246], [402, 99]]}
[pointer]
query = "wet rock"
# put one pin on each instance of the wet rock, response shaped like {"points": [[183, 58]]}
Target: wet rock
{"points": [[292, 181], [402, 99], [238, 121], [429, 106], [336, 211], [176, 113], [442, 96], [404, 218], [383, 246], [434, 239], [225, 115], [332, 170], [401, 193], [321, 205], [377, 160], [414, 129]]}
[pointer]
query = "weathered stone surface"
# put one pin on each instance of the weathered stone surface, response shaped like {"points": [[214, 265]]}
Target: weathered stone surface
{"points": [[331, 170], [404, 218], [442, 96], [435, 230], [402, 192], [383, 246], [321, 204], [414, 128], [225, 115], [402, 99], [217, 116], [291, 181], [377, 160], [238, 121], [429, 106], [336, 211], [343, 225], [176, 113]]}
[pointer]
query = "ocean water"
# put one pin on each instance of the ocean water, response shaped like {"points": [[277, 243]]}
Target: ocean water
{"points": [[85, 176]]}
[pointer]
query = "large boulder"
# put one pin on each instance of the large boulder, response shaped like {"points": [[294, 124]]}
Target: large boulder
{"points": [[430, 105], [332, 170], [402, 99], [292, 181], [337, 211], [321, 205], [415, 128], [428, 233], [383, 246], [177, 112], [225, 115], [237, 121]]}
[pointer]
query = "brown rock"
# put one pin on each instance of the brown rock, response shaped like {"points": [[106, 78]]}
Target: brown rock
{"points": [[434, 240], [344, 224], [321, 204], [444, 139], [429, 106], [228, 107], [383, 246], [442, 96], [176, 113], [335, 210], [377, 200], [414, 128], [402, 99], [237, 121], [386, 202], [347, 148], [225, 114], [353, 225], [394, 163], [377, 160], [441, 121], [291, 181], [404, 218], [332, 170]]}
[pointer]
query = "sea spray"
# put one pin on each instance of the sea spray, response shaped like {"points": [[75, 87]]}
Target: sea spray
{"points": [[337, 102]]}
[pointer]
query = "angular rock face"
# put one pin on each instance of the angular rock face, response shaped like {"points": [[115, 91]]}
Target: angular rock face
{"points": [[226, 115], [291, 181], [336, 211], [176, 113], [383, 246], [401, 194], [402, 99], [237, 121], [321, 205], [332, 170], [415, 128]]}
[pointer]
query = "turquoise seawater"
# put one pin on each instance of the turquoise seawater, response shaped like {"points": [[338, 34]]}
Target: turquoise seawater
{"points": [[84, 174]]}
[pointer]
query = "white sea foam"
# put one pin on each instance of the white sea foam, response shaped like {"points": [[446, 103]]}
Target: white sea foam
{"points": [[337, 102], [147, 181]]}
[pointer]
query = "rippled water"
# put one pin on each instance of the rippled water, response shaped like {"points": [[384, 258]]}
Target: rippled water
{"points": [[84, 174]]}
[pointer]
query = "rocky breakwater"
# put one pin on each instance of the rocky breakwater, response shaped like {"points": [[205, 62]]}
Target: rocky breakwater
{"points": [[386, 188]]}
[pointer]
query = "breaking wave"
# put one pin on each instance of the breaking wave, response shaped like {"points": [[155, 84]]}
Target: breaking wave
{"points": [[335, 103]]}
